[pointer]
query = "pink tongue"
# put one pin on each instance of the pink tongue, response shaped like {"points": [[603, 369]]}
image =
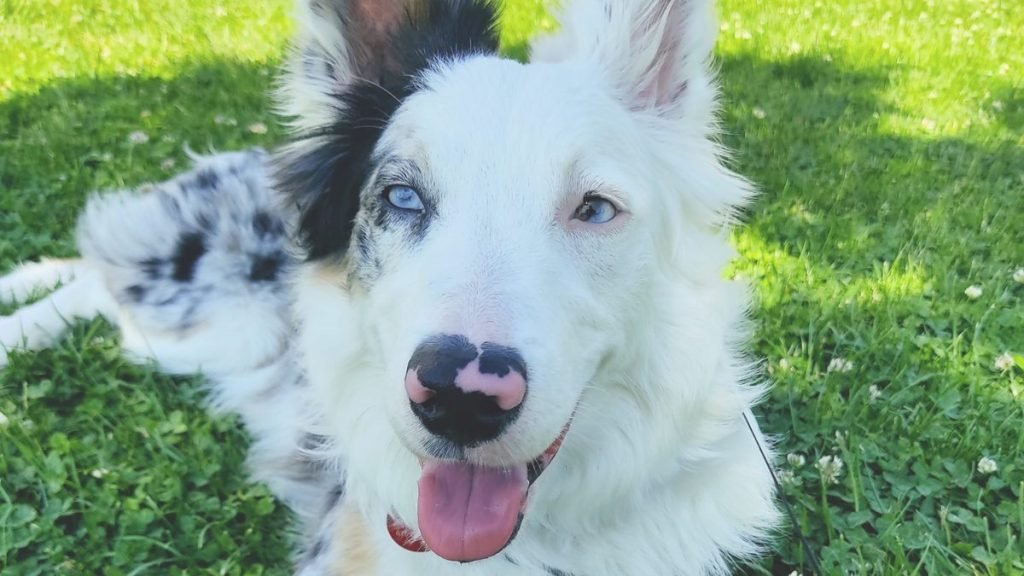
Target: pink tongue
{"points": [[469, 512]]}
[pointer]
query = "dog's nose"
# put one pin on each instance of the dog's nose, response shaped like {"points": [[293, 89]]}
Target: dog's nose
{"points": [[463, 393]]}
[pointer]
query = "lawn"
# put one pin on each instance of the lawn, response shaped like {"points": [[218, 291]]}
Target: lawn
{"points": [[888, 141]]}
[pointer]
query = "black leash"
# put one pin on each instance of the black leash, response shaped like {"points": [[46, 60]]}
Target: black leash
{"points": [[811, 556]]}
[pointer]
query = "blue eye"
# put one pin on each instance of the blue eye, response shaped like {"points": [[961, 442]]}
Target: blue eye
{"points": [[404, 198], [596, 210]]}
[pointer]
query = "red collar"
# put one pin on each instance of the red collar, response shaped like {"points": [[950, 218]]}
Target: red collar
{"points": [[404, 536]]}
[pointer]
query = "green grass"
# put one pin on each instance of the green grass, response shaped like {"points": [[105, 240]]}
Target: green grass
{"points": [[887, 138]]}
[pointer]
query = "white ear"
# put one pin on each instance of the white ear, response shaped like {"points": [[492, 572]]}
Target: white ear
{"points": [[654, 52]]}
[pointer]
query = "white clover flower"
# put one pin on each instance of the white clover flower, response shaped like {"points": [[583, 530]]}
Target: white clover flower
{"points": [[784, 365], [838, 364], [1018, 276], [167, 164], [795, 459], [787, 478], [973, 292], [258, 128], [830, 467], [987, 465], [99, 473], [874, 393], [223, 120], [1004, 362], [928, 124], [758, 113], [138, 137]]}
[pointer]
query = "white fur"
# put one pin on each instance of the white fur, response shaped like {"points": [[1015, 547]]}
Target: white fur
{"points": [[635, 330], [41, 324], [629, 329]]}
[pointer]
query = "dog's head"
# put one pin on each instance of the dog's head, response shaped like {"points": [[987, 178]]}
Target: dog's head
{"points": [[488, 241]]}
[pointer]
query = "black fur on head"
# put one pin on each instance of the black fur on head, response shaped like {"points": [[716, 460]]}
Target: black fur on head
{"points": [[325, 173]]}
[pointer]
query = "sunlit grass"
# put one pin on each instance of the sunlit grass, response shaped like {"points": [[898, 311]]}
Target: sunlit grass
{"points": [[886, 139], [46, 40]]}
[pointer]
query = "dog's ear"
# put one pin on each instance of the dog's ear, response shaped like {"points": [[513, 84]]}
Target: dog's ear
{"points": [[654, 53], [353, 64], [339, 42]]}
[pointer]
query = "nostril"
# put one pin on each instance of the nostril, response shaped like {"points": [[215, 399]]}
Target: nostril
{"points": [[416, 390], [466, 419]]}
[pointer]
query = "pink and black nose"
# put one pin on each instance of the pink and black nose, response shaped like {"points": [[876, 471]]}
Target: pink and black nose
{"points": [[462, 393]]}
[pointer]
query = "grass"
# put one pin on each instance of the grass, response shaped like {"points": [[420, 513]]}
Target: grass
{"points": [[887, 138]]}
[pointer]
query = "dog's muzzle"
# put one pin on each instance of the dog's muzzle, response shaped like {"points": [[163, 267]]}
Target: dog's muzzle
{"points": [[468, 395]]}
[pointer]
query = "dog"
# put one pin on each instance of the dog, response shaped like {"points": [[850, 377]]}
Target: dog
{"points": [[473, 315]]}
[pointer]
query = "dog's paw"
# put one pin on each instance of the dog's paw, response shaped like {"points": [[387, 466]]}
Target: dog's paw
{"points": [[3, 344], [14, 290], [35, 278], [11, 336]]}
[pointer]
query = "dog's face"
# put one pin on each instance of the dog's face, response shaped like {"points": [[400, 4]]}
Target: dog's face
{"points": [[515, 220], [486, 236]]}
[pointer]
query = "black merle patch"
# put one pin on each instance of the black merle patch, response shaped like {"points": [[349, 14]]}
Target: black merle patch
{"points": [[364, 245], [266, 225], [153, 268], [189, 250], [438, 359], [318, 548], [334, 496], [328, 176], [367, 263], [499, 360], [207, 179], [265, 268], [136, 293]]}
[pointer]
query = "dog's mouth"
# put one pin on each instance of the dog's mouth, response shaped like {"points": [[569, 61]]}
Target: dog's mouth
{"points": [[469, 512]]}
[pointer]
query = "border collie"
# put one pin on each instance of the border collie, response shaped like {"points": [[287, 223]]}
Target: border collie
{"points": [[473, 315]]}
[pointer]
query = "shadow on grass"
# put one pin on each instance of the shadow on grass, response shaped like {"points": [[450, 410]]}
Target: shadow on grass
{"points": [[121, 470], [861, 246], [79, 135], [1008, 102]]}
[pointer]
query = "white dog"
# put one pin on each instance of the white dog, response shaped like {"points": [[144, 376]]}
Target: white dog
{"points": [[474, 314]]}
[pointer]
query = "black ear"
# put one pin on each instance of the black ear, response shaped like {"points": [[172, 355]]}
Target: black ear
{"points": [[337, 43], [354, 63]]}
